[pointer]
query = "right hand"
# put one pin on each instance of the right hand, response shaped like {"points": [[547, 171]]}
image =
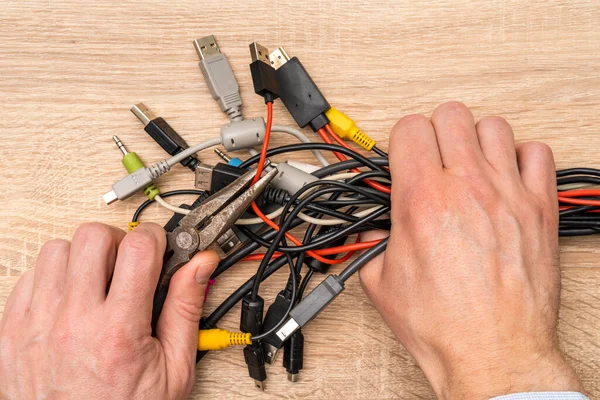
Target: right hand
{"points": [[470, 281]]}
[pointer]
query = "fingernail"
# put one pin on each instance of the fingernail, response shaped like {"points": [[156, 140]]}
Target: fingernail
{"points": [[204, 272]]}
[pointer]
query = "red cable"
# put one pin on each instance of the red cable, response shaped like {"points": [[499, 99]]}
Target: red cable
{"points": [[259, 168], [350, 248], [263, 153], [341, 157]]}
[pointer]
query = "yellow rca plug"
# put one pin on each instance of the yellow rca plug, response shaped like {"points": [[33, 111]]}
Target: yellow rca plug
{"points": [[346, 128], [218, 339], [131, 226]]}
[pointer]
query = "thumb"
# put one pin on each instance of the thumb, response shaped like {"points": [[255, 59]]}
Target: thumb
{"points": [[177, 327], [370, 273]]}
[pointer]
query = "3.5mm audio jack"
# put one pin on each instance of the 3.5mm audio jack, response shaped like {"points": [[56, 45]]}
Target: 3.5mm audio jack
{"points": [[132, 162]]}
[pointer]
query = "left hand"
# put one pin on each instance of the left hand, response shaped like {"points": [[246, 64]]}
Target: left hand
{"points": [[64, 335]]}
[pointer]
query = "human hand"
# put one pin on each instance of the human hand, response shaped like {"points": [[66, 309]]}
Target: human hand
{"points": [[470, 281], [63, 335]]}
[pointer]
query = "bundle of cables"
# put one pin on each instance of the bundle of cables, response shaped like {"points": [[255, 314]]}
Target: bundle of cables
{"points": [[333, 203]]}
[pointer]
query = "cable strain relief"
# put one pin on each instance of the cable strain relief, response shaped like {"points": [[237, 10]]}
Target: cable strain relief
{"points": [[320, 121], [158, 169], [273, 195], [269, 97], [239, 338], [235, 113], [363, 140]]}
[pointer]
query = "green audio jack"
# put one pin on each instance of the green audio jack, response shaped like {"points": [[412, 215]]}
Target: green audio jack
{"points": [[132, 162]]}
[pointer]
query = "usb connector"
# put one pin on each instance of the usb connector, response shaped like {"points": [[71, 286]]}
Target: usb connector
{"points": [[263, 73], [311, 306], [164, 134], [206, 47], [219, 77]]}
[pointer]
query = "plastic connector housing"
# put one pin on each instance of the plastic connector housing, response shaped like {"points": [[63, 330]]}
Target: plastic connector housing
{"points": [[291, 178], [252, 315], [311, 305], [301, 96], [245, 134], [171, 142]]}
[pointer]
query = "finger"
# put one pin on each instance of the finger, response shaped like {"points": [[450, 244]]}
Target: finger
{"points": [[497, 143], [91, 262], [177, 327], [137, 269], [19, 301], [49, 278], [456, 136], [370, 273], [413, 150], [536, 165]]}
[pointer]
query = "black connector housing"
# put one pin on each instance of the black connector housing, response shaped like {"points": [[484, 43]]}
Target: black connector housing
{"points": [[224, 174], [265, 80], [275, 313], [255, 360], [170, 140], [293, 355], [301, 96], [252, 315]]}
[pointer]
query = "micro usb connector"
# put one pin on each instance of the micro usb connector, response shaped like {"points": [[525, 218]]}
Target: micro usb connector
{"points": [[219, 77]]}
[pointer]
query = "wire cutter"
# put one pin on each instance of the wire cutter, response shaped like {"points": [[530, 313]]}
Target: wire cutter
{"points": [[204, 225]]}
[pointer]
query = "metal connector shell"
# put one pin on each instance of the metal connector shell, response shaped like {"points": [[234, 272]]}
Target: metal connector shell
{"points": [[259, 53], [143, 113], [278, 57], [206, 47]]}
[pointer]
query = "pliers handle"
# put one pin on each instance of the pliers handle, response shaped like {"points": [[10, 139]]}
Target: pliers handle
{"points": [[203, 226]]}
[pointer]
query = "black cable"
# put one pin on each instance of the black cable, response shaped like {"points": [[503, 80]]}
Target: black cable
{"points": [[578, 171], [304, 283], [576, 210], [578, 179], [346, 165], [379, 152], [293, 277], [364, 258], [366, 162], [578, 232], [144, 205], [326, 238]]}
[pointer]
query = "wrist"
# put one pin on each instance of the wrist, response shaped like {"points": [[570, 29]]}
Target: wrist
{"points": [[487, 376]]}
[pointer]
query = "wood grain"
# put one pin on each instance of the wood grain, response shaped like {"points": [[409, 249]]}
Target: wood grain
{"points": [[70, 71]]}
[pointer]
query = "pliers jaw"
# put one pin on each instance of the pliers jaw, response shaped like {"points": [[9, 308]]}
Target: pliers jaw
{"points": [[205, 224]]}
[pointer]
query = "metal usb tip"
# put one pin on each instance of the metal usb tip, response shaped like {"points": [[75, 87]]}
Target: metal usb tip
{"points": [[292, 377], [110, 197], [206, 47], [259, 385], [270, 352], [143, 113], [278, 57], [259, 53]]}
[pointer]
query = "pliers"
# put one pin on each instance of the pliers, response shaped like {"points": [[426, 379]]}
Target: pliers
{"points": [[204, 225]]}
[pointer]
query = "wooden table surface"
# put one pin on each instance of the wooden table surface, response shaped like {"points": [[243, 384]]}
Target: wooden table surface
{"points": [[70, 71]]}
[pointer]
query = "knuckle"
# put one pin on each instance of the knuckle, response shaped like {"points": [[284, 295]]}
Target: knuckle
{"points": [[496, 124], [452, 108], [56, 246], [409, 121], [93, 231], [141, 240]]}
